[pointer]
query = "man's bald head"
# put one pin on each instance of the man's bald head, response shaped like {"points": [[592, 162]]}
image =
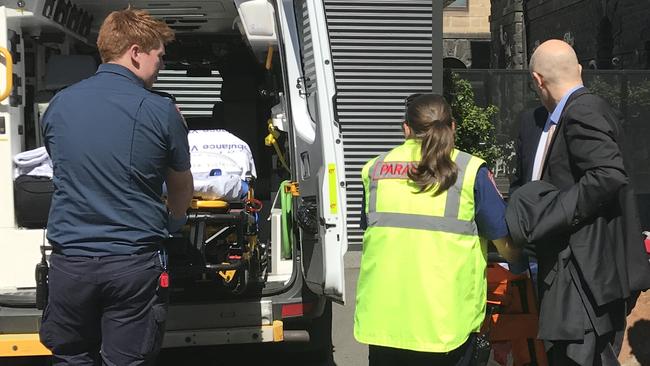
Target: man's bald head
{"points": [[557, 62], [554, 66]]}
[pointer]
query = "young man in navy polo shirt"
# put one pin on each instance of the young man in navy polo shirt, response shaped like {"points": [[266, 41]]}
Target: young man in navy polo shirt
{"points": [[113, 143]]}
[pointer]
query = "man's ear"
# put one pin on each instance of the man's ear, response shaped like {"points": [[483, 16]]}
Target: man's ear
{"points": [[134, 51], [539, 79]]}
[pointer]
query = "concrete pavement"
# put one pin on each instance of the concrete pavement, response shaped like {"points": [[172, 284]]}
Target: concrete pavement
{"points": [[347, 351]]}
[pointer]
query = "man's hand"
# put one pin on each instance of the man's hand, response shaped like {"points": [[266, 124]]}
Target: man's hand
{"points": [[175, 223]]}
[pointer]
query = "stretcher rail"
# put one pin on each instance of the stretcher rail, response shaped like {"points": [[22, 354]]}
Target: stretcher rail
{"points": [[214, 217]]}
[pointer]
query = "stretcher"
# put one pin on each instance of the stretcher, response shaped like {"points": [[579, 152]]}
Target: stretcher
{"points": [[511, 320], [219, 246]]}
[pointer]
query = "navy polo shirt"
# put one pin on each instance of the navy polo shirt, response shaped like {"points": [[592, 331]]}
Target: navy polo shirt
{"points": [[111, 142], [489, 207]]}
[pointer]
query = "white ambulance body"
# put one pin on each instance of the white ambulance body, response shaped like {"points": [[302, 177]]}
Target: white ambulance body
{"points": [[47, 44]]}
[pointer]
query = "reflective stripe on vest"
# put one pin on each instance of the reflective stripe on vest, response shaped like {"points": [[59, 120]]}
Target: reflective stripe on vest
{"points": [[449, 223]]}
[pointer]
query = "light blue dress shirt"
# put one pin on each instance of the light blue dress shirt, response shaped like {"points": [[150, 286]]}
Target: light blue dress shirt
{"points": [[553, 118]]}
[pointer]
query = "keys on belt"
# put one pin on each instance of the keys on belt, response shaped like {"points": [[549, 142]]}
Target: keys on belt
{"points": [[163, 280]]}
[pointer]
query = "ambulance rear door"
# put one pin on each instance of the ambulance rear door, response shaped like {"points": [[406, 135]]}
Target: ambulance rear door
{"points": [[320, 210]]}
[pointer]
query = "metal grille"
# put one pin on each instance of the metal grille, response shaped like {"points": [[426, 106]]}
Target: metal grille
{"points": [[381, 52], [195, 95]]}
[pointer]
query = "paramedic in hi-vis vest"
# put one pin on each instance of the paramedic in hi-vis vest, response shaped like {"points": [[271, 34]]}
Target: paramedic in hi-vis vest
{"points": [[427, 210]]}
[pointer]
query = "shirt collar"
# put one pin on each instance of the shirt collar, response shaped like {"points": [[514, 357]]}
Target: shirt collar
{"points": [[557, 112], [120, 70]]}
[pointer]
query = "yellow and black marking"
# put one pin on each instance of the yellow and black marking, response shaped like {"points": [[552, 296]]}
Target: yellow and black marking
{"points": [[228, 275]]}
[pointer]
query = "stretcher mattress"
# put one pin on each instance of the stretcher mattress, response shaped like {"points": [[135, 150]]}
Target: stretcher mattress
{"points": [[221, 163], [223, 187], [219, 149]]}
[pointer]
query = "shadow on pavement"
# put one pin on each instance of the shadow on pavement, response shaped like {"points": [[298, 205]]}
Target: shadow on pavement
{"points": [[638, 336], [243, 355]]}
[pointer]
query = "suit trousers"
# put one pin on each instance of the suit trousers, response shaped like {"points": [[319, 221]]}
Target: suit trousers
{"points": [[104, 310], [605, 350]]}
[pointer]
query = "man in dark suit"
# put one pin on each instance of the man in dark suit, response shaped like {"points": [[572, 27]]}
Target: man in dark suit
{"points": [[578, 213]]}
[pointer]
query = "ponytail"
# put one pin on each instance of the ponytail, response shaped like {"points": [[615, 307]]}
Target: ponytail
{"points": [[429, 117]]}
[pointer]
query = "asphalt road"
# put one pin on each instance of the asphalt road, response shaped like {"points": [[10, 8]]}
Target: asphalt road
{"points": [[347, 352]]}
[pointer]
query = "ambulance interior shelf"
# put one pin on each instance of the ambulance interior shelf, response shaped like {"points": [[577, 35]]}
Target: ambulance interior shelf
{"points": [[33, 186]]}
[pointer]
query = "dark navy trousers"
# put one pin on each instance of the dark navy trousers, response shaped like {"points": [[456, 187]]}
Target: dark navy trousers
{"points": [[104, 310], [387, 356]]}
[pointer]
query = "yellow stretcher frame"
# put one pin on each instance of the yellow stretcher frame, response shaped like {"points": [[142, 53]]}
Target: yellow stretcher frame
{"points": [[214, 204]]}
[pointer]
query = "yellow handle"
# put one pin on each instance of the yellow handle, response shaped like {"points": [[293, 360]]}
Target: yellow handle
{"points": [[270, 140], [10, 72]]}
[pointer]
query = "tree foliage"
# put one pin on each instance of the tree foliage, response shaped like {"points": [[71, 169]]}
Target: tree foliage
{"points": [[475, 131]]}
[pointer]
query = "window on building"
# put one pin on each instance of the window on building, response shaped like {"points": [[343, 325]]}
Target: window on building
{"points": [[458, 5]]}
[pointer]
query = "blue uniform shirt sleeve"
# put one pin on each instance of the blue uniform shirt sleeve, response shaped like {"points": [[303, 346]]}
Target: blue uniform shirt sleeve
{"points": [[489, 207], [179, 149]]}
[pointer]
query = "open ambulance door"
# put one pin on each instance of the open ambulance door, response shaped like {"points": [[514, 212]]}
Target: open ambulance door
{"points": [[320, 209], [11, 111]]}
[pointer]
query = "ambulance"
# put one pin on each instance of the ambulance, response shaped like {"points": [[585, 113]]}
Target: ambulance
{"points": [[265, 268]]}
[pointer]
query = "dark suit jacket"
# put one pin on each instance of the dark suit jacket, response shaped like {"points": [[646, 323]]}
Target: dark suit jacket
{"points": [[531, 125], [582, 220]]}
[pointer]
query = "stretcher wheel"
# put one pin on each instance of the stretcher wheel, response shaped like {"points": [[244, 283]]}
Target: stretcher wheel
{"points": [[259, 264]]}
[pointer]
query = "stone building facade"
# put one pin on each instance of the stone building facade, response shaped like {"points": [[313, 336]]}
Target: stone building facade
{"points": [[466, 34], [606, 34], [508, 43]]}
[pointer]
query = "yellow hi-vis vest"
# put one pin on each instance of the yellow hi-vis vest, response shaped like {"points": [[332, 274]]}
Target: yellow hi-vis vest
{"points": [[422, 281]]}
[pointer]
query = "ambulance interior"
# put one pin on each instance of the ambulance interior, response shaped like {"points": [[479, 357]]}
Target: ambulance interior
{"points": [[225, 72]]}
